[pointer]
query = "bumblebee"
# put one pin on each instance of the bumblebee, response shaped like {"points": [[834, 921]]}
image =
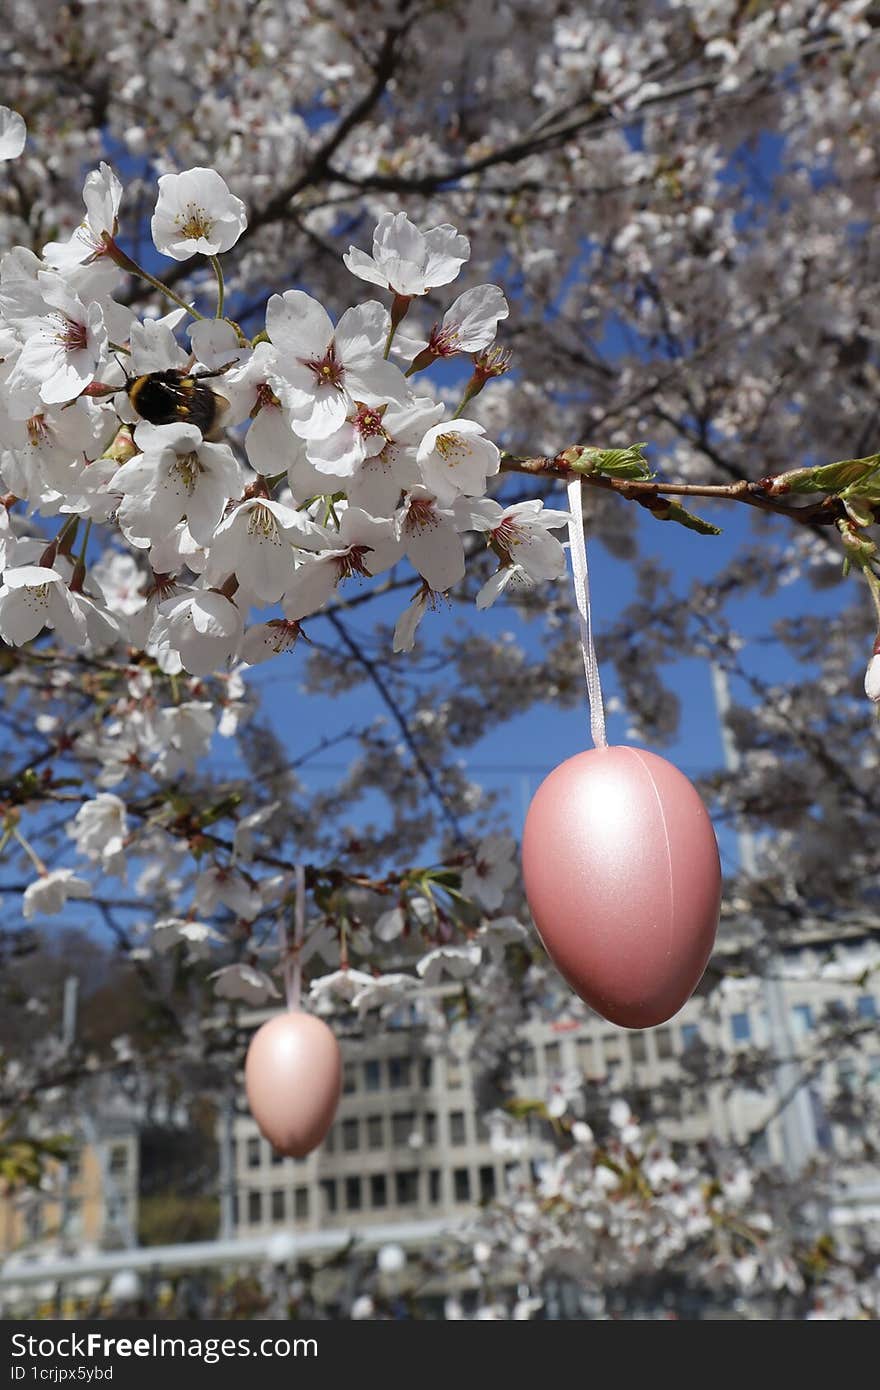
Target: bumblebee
{"points": [[165, 398]]}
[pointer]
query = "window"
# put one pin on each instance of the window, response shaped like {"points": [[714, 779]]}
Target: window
{"points": [[552, 1055], [373, 1075], [74, 1164], [663, 1039], [402, 1126], [612, 1050], [351, 1135], [462, 1181], [847, 1077], [690, 1034], [740, 1028], [330, 1141], [72, 1218], [434, 1186], [457, 1131], [253, 1153], [453, 1075], [801, 1020], [34, 1220], [430, 1129], [529, 1065], [399, 1072], [328, 1192], [117, 1210], [487, 1184], [584, 1048], [353, 1194], [119, 1159], [301, 1203], [406, 1187], [278, 1205], [375, 1132], [426, 1072], [637, 1046], [378, 1190], [255, 1207], [866, 1006], [275, 1158], [349, 1079]]}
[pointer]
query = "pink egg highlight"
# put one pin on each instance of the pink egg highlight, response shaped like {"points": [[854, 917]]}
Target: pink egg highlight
{"points": [[293, 1077], [623, 878]]}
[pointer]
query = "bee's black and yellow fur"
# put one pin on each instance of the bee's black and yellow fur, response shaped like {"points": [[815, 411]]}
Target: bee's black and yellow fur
{"points": [[165, 398]]}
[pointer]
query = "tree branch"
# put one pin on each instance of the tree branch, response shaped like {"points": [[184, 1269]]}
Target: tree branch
{"points": [[753, 494]]}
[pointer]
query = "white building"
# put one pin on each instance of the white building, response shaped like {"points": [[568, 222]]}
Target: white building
{"points": [[408, 1144]]}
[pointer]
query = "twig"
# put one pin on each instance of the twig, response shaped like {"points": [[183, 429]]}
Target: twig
{"points": [[753, 494]]}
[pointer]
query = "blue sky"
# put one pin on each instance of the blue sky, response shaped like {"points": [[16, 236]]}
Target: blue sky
{"points": [[515, 757]]}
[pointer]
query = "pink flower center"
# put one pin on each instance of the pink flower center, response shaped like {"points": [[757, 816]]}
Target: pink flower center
{"points": [[368, 421], [422, 512], [328, 371], [443, 342], [353, 562], [71, 335], [38, 431]]}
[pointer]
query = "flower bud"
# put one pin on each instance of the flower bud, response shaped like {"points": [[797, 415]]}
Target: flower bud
{"points": [[872, 677]]}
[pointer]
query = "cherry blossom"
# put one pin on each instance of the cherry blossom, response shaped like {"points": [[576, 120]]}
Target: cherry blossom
{"points": [[255, 542], [245, 983], [48, 894], [13, 134], [519, 534], [408, 261], [322, 372], [99, 829], [33, 597], [363, 546], [177, 474], [196, 213], [61, 356], [430, 539], [664, 286], [471, 322], [492, 872], [204, 629], [102, 195], [455, 460]]}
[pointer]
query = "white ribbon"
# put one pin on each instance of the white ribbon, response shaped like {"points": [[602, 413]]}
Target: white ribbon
{"points": [[291, 965], [581, 577]]}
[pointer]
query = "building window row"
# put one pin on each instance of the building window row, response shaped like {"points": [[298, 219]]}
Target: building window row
{"points": [[277, 1205], [353, 1133]]}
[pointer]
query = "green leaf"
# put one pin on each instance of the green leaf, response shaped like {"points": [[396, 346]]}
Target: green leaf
{"points": [[862, 475], [666, 509], [612, 463]]}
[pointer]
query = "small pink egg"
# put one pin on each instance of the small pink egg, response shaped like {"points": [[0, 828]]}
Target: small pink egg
{"points": [[293, 1077], [623, 878]]}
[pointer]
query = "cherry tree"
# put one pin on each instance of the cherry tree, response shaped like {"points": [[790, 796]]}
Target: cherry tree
{"points": [[303, 313]]}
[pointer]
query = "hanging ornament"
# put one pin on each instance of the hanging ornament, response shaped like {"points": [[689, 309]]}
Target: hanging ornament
{"points": [[293, 1069], [620, 861]]}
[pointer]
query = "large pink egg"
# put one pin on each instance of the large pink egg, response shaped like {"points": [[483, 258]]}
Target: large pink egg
{"points": [[623, 879], [293, 1076]]}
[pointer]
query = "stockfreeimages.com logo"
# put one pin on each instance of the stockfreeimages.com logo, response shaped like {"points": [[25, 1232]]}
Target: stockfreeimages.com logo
{"points": [[94, 1345]]}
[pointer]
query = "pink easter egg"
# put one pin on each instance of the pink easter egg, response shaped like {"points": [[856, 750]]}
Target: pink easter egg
{"points": [[293, 1077], [623, 878]]}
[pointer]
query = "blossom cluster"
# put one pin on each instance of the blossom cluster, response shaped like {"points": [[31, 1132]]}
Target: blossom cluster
{"points": [[241, 473]]}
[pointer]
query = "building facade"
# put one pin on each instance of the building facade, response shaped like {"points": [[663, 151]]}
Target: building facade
{"points": [[408, 1143]]}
